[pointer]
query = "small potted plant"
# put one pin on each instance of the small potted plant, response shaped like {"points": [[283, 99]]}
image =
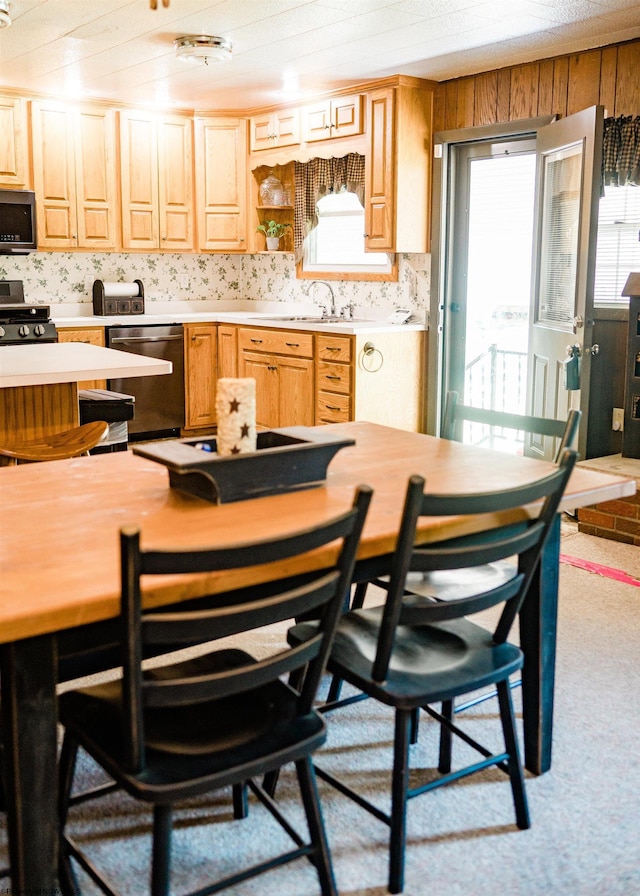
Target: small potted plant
{"points": [[273, 230]]}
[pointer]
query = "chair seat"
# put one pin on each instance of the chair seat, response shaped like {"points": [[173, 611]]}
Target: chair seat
{"points": [[58, 445], [446, 584], [189, 745], [429, 663]]}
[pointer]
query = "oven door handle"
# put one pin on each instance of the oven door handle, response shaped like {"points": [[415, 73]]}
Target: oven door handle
{"points": [[126, 340]]}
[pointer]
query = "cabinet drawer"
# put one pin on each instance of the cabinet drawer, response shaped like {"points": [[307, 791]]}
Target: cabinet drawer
{"points": [[332, 408], [334, 377], [282, 342], [334, 348]]}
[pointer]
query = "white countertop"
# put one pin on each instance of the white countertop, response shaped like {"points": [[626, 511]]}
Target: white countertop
{"points": [[70, 362], [248, 318]]}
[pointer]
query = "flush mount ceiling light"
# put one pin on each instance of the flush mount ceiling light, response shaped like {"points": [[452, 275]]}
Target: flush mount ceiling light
{"points": [[203, 48], [5, 13]]}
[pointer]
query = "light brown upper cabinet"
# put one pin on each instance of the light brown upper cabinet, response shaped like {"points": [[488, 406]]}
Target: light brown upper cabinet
{"points": [[332, 118], [398, 171], [74, 176], [271, 130], [156, 157], [221, 184], [14, 149]]}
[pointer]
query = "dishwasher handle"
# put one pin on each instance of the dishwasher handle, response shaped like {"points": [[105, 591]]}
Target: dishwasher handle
{"points": [[127, 340]]}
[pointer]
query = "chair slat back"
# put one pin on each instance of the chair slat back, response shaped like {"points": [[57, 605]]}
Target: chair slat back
{"points": [[320, 591], [522, 535], [456, 413]]}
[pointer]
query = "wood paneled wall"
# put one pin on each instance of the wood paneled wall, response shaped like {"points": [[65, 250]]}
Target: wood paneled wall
{"points": [[560, 86]]}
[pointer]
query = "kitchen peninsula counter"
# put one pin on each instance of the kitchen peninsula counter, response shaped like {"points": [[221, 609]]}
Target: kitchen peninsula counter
{"points": [[39, 383], [68, 362]]}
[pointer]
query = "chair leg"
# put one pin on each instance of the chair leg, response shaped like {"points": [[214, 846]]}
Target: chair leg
{"points": [[240, 800], [270, 782], [161, 859], [66, 875], [516, 775], [399, 788], [359, 595], [446, 739], [334, 689], [415, 725], [311, 802]]}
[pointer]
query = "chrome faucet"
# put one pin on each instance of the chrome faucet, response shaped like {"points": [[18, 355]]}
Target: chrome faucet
{"points": [[332, 312]]}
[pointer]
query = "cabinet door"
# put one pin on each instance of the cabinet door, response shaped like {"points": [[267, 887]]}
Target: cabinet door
{"points": [[263, 368], [139, 173], [339, 117], [95, 170], [227, 351], [54, 175], [274, 129], [94, 336], [201, 365], [287, 126], [346, 115], [379, 210], [14, 150], [221, 184], [261, 129], [296, 401], [175, 183]]}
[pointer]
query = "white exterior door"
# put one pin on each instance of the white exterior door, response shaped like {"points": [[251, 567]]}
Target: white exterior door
{"points": [[569, 157]]}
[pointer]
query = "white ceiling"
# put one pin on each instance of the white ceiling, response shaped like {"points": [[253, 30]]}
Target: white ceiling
{"points": [[286, 50]]}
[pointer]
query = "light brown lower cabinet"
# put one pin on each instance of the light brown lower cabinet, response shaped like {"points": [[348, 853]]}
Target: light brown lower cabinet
{"points": [[227, 350], [379, 378], [281, 361], [201, 372]]}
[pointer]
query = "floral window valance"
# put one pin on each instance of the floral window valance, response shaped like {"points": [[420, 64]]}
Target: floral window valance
{"points": [[621, 151], [313, 180]]}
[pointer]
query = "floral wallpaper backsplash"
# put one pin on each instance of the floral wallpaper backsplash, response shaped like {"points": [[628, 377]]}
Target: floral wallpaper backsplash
{"points": [[67, 278]]}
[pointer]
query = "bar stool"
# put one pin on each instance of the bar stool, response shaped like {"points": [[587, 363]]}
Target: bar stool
{"points": [[57, 445]]}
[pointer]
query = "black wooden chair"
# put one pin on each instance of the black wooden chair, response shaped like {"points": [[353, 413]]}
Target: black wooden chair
{"points": [[222, 718], [456, 414], [443, 585], [413, 652]]}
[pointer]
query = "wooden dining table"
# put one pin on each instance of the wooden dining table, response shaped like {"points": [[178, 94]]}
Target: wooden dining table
{"points": [[59, 578]]}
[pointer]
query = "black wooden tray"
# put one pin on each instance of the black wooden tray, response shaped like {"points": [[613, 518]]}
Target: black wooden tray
{"points": [[285, 460]]}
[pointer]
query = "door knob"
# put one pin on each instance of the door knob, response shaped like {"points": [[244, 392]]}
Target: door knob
{"points": [[595, 349]]}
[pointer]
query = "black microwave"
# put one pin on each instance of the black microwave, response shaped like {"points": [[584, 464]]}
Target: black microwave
{"points": [[18, 234]]}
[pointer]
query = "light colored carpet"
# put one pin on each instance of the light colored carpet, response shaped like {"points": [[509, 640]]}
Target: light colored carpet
{"points": [[585, 837]]}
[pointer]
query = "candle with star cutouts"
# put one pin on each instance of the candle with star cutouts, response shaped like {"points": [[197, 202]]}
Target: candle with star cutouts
{"points": [[236, 412]]}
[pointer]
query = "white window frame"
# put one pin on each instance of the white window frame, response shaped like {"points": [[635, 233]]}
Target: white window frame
{"points": [[311, 266], [617, 257]]}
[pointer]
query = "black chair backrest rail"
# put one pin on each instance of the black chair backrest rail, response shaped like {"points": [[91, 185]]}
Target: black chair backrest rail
{"points": [[456, 413]]}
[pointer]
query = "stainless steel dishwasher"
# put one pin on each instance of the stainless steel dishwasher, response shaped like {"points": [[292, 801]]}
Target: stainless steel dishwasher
{"points": [[159, 400]]}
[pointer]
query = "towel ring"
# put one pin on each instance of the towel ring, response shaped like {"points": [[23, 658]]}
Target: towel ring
{"points": [[369, 353]]}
